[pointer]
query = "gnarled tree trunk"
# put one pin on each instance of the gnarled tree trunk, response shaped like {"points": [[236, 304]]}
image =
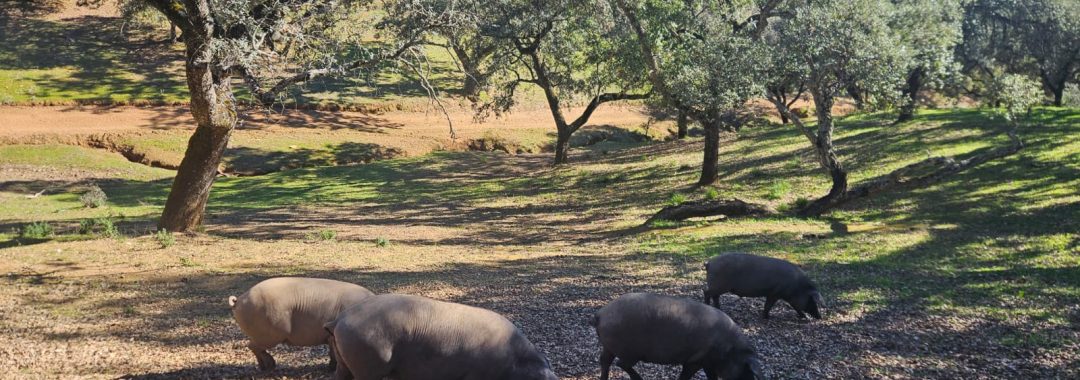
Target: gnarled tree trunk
{"points": [[856, 95], [826, 153], [474, 78], [214, 109], [911, 95]]}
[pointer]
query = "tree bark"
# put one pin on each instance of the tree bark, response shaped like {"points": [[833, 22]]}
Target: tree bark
{"points": [[684, 124], [214, 110], [562, 145], [474, 79], [826, 152], [470, 86], [911, 93], [856, 94], [711, 156]]}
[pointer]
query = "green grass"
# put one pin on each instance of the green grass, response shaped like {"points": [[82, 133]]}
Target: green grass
{"points": [[998, 241], [79, 158]]}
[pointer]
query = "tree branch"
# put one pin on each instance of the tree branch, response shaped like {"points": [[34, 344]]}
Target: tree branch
{"points": [[172, 10], [267, 97], [601, 99]]}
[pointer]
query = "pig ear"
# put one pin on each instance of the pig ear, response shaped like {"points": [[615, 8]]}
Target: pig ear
{"points": [[755, 368]]}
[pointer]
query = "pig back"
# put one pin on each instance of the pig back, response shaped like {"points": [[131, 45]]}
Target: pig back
{"points": [[661, 329], [428, 339], [749, 275], [299, 307]]}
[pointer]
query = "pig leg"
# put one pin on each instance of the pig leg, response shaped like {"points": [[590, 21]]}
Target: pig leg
{"points": [[769, 303], [688, 371], [333, 353], [710, 374], [342, 372], [628, 366], [606, 357], [266, 362]]}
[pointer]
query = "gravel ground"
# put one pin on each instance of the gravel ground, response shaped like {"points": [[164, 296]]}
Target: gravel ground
{"points": [[69, 310]]}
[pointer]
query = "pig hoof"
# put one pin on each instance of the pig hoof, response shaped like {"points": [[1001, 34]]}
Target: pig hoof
{"points": [[268, 365]]}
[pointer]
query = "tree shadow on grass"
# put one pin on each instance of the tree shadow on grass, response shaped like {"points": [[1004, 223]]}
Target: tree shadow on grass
{"points": [[106, 64], [251, 161]]}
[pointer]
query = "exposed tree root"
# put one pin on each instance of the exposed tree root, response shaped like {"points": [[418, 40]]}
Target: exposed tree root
{"points": [[727, 207]]}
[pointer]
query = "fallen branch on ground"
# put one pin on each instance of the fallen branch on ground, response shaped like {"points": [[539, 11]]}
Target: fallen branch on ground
{"points": [[726, 207]]}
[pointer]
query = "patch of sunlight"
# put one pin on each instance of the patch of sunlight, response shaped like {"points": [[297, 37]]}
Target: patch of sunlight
{"points": [[865, 300]]}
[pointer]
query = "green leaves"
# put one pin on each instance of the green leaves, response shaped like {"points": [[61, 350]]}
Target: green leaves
{"points": [[837, 43], [1017, 94]]}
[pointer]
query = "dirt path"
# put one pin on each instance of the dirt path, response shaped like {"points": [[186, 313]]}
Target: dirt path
{"points": [[23, 122], [269, 141]]}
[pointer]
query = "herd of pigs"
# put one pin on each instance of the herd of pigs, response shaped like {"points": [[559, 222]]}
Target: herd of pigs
{"points": [[408, 337]]}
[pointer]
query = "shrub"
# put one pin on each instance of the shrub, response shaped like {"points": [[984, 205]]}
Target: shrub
{"points": [[327, 235], [103, 225], [1071, 96], [676, 199], [36, 230], [187, 262], [382, 242], [801, 203], [777, 190], [1017, 94], [711, 194], [165, 238], [94, 197], [87, 226]]}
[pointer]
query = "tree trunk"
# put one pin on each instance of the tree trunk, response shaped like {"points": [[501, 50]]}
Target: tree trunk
{"points": [[778, 97], [856, 94], [684, 125], [1059, 94], [474, 79], [214, 110], [562, 145], [914, 84], [826, 153], [470, 86], [710, 161]]}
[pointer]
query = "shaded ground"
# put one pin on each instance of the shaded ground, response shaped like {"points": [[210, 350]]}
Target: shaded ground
{"points": [[975, 277]]}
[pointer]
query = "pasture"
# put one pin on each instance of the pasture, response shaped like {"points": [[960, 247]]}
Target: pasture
{"points": [[972, 277], [975, 275]]}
